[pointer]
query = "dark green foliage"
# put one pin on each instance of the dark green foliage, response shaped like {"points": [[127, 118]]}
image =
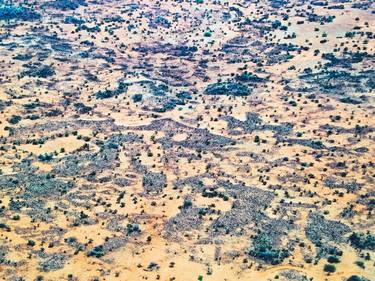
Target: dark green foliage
{"points": [[187, 204], [4, 226], [82, 108], [249, 77], [337, 82], [161, 21], [66, 5], [95, 28], [31, 105], [23, 57], [14, 119], [42, 71], [207, 34], [320, 230], [35, 185], [329, 268], [31, 243], [211, 193], [346, 59], [350, 100], [349, 34], [184, 95], [169, 105], [18, 13], [227, 88], [361, 264], [333, 259], [96, 252], [73, 20], [356, 278], [114, 19], [45, 157], [264, 250], [276, 24], [371, 202], [51, 262], [154, 182], [362, 241], [278, 3], [62, 47], [137, 98], [16, 217], [106, 94], [132, 228]]}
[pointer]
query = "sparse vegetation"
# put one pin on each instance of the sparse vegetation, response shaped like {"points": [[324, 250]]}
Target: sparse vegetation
{"points": [[234, 139]]}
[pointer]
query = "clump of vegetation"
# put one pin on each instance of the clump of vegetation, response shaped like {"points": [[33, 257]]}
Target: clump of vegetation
{"points": [[227, 88], [4, 226], [106, 94], [22, 57], [161, 21], [45, 157], [330, 268], [320, 230], [249, 77], [362, 241], [132, 228], [14, 119], [31, 243], [73, 20], [154, 182], [18, 13], [333, 259], [356, 278], [264, 249], [95, 28], [97, 252], [361, 264], [43, 71], [184, 95], [137, 98], [207, 34], [66, 5]]}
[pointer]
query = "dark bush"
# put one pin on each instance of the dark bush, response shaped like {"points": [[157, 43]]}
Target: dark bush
{"points": [[96, 252], [264, 250], [362, 241], [227, 88], [106, 94], [14, 119], [333, 259], [329, 268], [137, 98], [18, 13]]}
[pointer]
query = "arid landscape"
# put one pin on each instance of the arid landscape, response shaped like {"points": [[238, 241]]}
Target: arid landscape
{"points": [[199, 140]]}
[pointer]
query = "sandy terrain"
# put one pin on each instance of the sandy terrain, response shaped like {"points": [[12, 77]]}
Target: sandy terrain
{"points": [[187, 140]]}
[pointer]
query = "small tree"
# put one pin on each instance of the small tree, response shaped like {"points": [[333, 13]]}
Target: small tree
{"points": [[333, 259], [330, 268]]}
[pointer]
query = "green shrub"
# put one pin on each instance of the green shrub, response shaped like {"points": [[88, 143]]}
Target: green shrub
{"points": [[330, 268], [362, 241], [354, 278], [31, 243], [14, 119], [333, 259], [264, 250], [361, 264]]}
